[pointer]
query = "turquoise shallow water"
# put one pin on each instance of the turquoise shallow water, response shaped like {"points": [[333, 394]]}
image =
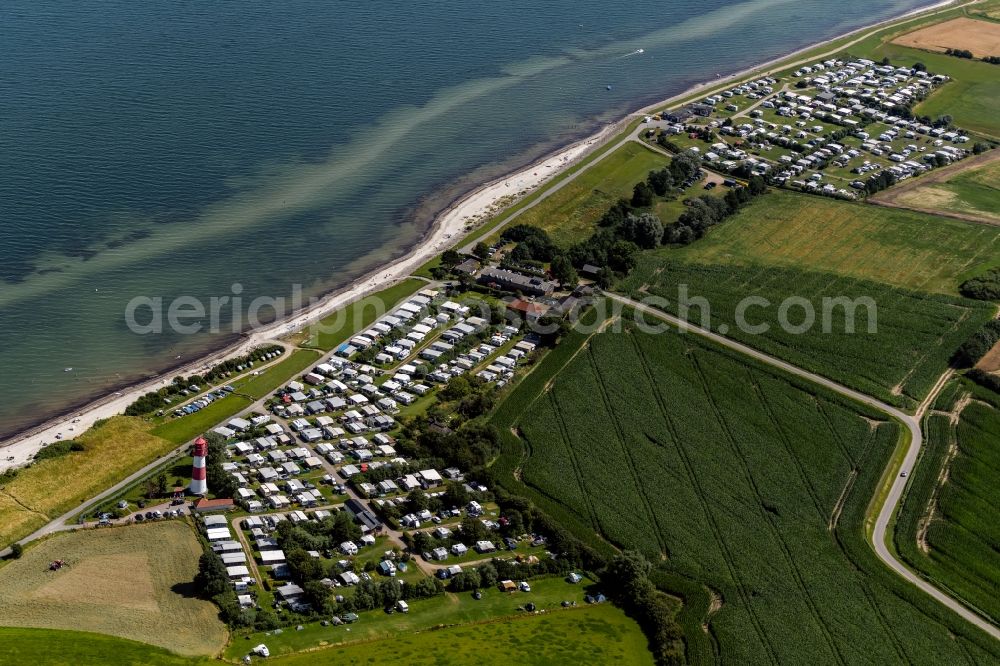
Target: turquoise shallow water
{"points": [[165, 149]]}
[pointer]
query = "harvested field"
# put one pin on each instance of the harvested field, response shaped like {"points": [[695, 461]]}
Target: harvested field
{"points": [[980, 37], [969, 190], [133, 582]]}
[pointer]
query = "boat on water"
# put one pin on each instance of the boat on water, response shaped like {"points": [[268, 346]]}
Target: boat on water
{"points": [[67, 369]]}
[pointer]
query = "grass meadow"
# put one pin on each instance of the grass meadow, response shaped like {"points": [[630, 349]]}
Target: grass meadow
{"points": [[133, 582], [571, 213], [896, 247], [426, 616], [50, 488], [592, 634], [738, 479], [50, 647], [947, 528]]}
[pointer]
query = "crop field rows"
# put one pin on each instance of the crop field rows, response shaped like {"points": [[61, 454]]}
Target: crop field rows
{"points": [[732, 476], [897, 360], [946, 528]]}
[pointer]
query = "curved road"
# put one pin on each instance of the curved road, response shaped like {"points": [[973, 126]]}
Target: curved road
{"points": [[895, 494]]}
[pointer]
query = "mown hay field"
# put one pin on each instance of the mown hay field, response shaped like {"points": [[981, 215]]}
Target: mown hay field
{"points": [[894, 348], [897, 247], [751, 483], [947, 527], [133, 582]]}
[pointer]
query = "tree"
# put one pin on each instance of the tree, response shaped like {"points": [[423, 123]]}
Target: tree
{"points": [[919, 67], [161, 484], [456, 388], [563, 271], [450, 258], [417, 500], [212, 578], [16, 550], [642, 196], [622, 256], [660, 181], [481, 251], [644, 230]]}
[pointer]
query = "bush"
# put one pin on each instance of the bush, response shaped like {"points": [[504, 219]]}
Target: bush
{"points": [[16, 550], [978, 345], [59, 449], [985, 287]]}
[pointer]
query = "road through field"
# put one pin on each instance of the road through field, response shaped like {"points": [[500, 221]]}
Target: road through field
{"points": [[895, 493]]}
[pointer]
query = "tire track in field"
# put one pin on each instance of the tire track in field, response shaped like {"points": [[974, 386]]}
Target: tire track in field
{"points": [[797, 574], [628, 453], [838, 507], [836, 434], [785, 443], [574, 463], [727, 555], [884, 622]]}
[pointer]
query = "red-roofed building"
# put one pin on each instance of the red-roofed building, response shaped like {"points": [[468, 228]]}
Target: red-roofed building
{"points": [[212, 505], [528, 310]]}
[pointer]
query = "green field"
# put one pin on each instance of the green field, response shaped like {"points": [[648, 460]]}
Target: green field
{"points": [[588, 634], [898, 359], [133, 582], [593, 634], [50, 647], [896, 247], [425, 614], [570, 214], [334, 329], [947, 529], [741, 479]]}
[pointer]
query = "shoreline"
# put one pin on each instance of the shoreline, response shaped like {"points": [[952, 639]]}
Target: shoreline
{"points": [[447, 228]]}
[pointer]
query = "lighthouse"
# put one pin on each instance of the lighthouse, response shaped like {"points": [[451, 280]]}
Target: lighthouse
{"points": [[198, 484]]}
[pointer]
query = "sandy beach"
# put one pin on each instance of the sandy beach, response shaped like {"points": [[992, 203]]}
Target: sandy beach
{"points": [[447, 229]]}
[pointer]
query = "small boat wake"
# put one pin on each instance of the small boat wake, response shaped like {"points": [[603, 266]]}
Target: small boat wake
{"points": [[634, 53]]}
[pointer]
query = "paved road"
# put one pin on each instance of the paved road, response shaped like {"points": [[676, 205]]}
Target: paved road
{"points": [[892, 500]]}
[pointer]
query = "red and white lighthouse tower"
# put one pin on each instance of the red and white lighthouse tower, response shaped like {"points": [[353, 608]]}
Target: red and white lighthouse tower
{"points": [[198, 484]]}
